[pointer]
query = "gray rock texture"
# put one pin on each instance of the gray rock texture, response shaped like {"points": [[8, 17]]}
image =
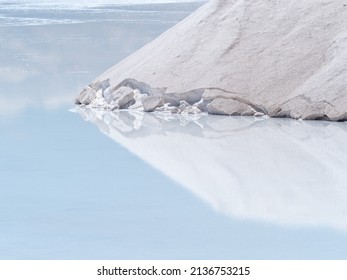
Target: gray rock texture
{"points": [[86, 96], [150, 103], [191, 97], [123, 97], [221, 106]]}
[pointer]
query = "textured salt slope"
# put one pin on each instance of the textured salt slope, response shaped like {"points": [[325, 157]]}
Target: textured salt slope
{"points": [[281, 171], [281, 58]]}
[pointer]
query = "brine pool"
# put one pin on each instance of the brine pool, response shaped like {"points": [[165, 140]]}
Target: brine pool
{"points": [[84, 184]]}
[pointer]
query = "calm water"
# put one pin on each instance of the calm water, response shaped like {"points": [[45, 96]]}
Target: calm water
{"points": [[149, 186]]}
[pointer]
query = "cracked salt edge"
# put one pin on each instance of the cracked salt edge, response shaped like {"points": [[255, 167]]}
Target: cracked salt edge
{"points": [[139, 96]]}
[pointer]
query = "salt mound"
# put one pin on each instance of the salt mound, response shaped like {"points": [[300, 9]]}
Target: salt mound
{"points": [[279, 58]]}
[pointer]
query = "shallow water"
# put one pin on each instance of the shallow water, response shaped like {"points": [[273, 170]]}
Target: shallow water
{"points": [[158, 187]]}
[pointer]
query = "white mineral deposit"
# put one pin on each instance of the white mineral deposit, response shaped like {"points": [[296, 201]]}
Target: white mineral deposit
{"points": [[237, 57]]}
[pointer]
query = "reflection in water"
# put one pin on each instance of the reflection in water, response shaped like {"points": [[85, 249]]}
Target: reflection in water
{"points": [[281, 171]]}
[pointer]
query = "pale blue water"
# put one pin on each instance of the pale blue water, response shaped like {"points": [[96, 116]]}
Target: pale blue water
{"points": [[34, 12], [69, 192]]}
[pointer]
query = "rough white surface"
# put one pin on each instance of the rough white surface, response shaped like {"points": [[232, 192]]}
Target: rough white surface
{"points": [[287, 57]]}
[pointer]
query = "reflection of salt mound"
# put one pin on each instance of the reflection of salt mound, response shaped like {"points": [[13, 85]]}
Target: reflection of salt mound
{"points": [[281, 58], [281, 171]]}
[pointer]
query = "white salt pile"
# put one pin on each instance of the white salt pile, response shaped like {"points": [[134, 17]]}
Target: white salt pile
{"points": [[239, 57]]}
